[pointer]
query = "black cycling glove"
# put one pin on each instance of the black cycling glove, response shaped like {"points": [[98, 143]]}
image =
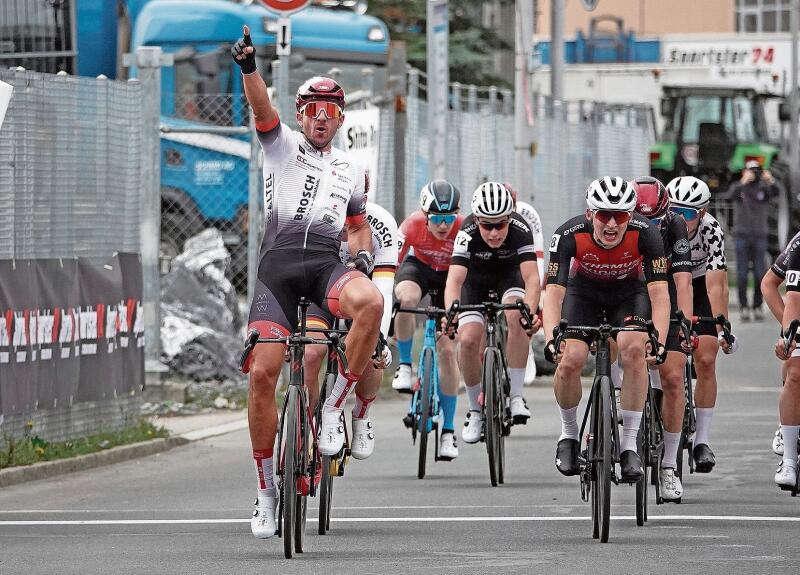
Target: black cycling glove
{"points": [[245, 60], [363, 262], [550, 351]]}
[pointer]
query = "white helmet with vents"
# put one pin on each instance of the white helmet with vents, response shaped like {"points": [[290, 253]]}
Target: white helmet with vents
{"points": [[611, 193], [492, 200], [688, 192]]}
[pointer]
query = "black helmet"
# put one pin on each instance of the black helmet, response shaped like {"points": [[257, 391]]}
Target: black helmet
{"points": [[439, 197]]}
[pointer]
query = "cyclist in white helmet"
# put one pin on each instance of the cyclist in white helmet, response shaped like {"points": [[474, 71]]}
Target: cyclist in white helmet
{"points": [[689, 197], [595, 272], [493, 251]]}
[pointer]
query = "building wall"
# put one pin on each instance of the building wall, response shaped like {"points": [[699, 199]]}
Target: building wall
{"points": [[645, 17]]}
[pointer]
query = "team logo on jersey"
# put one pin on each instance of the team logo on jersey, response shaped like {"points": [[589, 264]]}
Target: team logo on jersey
{"points": [[682, 247], [552, 269], [792, 278], [660, 265], [554, 242], [591, 257]]}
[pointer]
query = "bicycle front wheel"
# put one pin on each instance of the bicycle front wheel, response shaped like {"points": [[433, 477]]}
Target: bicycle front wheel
{"points": [[326, 481], [606, 463], [492, 422], [643, 447], [425, 414], [305, 474], [290, 469]]}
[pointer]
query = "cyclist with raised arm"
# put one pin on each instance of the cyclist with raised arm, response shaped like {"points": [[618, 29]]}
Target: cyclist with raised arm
{"points": [[311, 192], [652, 202], [607, 264], [384, 251], [426, 246], [531, 217], [786, 269], [493, 251], [689, 198]]}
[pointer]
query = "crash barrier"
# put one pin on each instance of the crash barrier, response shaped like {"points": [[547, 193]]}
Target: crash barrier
{"points": [[71, 179], [71, 333]]}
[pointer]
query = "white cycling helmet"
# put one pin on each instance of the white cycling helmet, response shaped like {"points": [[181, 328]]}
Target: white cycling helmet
{"points": [[492, 200], [688, 192], [611, 193]]}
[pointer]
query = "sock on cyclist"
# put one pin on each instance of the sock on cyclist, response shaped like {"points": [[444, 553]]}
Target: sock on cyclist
{"points": [[361, 408], [448, 404], [569, 423], [671, 445], [404, 350], [703, 416], [616, 375], [630, 429], [266, 483], [341, 389], [790, 433], [517, 377], [474, 394]]}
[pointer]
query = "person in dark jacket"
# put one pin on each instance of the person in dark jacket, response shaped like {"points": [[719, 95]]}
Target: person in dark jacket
{"points": [[752, 195]]}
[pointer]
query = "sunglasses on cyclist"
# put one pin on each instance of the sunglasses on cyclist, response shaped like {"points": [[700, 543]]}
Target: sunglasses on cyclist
{"points": [[687, 213], [493, 225], [316, 109], [604, 216], [437, 219]]}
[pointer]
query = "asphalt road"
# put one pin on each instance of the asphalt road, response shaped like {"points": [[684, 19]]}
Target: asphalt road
{"points": [[187, 510]]}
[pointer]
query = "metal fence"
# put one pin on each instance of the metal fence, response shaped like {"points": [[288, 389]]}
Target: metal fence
{"points": [[38, 35]]}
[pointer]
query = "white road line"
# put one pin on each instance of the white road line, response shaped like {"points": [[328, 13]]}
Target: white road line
{"points": [[724, 518]]}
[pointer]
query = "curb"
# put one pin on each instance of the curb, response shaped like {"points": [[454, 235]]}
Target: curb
{"points": [[47, 469]]}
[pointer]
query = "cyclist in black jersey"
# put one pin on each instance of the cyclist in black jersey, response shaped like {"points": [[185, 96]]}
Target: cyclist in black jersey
{"points": [[652, 202], [493, 251], [311, 193], [606, 264]]}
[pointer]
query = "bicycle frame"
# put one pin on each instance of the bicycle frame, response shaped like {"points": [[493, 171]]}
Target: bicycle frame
{"points": [[428, 342]]}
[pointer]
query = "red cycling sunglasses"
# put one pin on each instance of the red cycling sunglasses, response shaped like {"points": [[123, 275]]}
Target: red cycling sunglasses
{"points": [[315, 109], [604, 216]]}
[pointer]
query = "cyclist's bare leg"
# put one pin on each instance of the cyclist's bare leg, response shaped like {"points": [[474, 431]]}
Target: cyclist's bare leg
{"points": [[517, 348], [448, 366], [313, 358], [471, 340], [367, 390], [408, 294], [705, 360], [674, 401], [361, 301], [567, 385], [265, 367], [789, 403], [634, 386]]}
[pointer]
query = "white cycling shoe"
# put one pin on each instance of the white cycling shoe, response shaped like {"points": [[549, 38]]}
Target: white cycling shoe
{"points": [[402, 378], [530, 368], [670, 483], [363, 439], [263, 524], [519, 410], [777, 442], [448, 450], [786, 476], [471, 432], [331, 432]]}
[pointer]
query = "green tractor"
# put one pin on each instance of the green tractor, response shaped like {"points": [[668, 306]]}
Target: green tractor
{"points": [[711, 133]]}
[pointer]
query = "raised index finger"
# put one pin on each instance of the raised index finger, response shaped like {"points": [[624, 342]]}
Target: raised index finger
{"points": [[246, 32]]}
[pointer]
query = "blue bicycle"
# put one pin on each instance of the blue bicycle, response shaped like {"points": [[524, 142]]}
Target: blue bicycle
{"points": [[423, 412]]}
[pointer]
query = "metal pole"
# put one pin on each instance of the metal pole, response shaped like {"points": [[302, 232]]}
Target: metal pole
{"points": [[794, 143], [253, 213], [523, 42], [283, 86], [438, 85], [557, 49]]}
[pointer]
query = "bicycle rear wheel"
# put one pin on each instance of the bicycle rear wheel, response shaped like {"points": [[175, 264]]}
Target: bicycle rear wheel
{"points": [[290, 469], [491, 422], [643, 447], [504, 419], [425, 415], [304, 478], [606, 466], [592, 459]]}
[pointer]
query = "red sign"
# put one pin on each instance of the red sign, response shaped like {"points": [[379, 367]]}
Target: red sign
{"points": [[285, 6]]}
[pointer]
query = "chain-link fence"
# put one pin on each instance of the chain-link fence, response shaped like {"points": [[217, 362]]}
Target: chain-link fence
{"points": [[205, 157]]}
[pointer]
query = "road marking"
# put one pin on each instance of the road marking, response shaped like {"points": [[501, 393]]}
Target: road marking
{"points": [[725, 518]]}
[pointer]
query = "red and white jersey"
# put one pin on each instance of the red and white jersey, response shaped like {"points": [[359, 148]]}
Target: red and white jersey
{"points": [[417, 240], [308, 194]]}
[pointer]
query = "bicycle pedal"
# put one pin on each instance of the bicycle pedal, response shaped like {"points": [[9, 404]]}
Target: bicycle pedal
{"points": [[521, 420], [407, 391], [408, 421]]}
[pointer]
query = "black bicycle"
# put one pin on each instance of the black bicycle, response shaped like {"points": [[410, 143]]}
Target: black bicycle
{"points": [[689, 420], [495, 383], [601, 452], [298, 453], [650, 444]]}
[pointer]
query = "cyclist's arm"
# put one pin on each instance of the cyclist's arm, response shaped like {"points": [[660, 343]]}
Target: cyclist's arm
{"points": [[562, 249], [530, 275], [551, 314], [359, 236], [659, 301], [384, 244], [792, 309], [456, 274], [405, 239], [265, 114], [683, 286], [717, 286], [772, 297]]}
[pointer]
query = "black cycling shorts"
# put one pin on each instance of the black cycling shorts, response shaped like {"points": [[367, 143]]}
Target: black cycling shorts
{"points": [[701, 306], [284, 276], [618, 305], [425, 277], [476, 290]]}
